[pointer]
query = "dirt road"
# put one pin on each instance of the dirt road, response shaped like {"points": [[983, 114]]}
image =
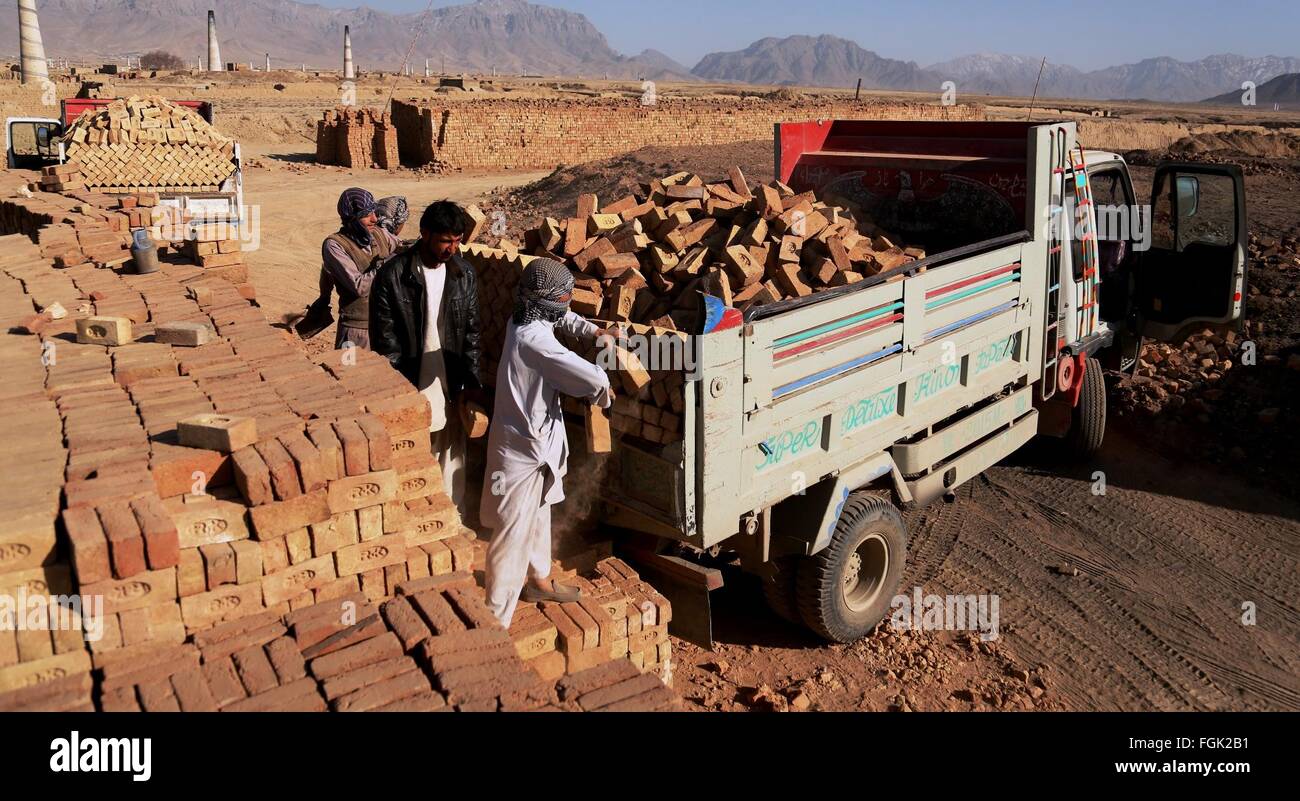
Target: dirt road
{"points": [[1166, 559]]}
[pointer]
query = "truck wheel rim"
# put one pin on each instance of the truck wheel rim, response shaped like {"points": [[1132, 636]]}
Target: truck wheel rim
{"points": [[865, 571]]}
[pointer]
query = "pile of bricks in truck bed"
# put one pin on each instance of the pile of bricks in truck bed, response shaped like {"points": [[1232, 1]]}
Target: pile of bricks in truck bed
{"points": [[245, 527]]}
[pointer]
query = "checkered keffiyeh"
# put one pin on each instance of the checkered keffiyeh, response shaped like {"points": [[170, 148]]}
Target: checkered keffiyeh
{"points": [[537, 298], [392, 213]]}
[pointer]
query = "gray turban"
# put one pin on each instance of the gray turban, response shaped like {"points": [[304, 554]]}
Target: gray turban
{"points": [[391, 213], [540, 288]]}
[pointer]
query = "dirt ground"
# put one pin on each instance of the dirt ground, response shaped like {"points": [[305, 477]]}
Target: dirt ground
{"points": [[295, 203], [1128, 600]]}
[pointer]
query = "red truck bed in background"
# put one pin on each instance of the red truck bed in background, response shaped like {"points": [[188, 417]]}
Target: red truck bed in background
{"points": [[939, 184], [73, 106]]}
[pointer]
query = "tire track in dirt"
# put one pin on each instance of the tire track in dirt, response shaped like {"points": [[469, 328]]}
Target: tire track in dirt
{"points": [[1153, 619]]}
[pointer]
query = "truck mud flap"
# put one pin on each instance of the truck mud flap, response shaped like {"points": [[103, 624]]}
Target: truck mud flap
{"points": [[686, 585], [952, 474]]}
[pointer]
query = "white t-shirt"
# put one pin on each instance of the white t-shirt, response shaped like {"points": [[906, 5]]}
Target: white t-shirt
{"points": [[433, 368]]}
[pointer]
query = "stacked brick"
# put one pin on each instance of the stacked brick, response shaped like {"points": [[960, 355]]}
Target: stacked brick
{"points": [[141, 145], [539, 134], [87, 229], [32, 459], [618, 618], [211, 247], [218, 489], [357, 137]]}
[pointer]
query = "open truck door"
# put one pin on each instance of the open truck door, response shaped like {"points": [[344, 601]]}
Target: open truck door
{"points": [[1193, 276], [32, 142]]}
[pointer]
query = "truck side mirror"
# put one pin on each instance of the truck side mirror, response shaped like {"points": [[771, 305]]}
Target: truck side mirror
{"points": [[1189, 194]]}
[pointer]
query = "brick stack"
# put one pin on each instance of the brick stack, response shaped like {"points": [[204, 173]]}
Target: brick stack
{"points": [[619, 618], [433, 648], [144, 144], [357, 137], [645, 259], [214, 486], [211, 247], [32, 459], [539, 134]]}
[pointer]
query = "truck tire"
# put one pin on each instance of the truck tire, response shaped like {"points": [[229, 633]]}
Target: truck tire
{"points": [[845, 589], [1088, 418], [779, 591]]}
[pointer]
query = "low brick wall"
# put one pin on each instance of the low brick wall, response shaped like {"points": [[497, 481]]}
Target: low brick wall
{"points": [[513, 134]]}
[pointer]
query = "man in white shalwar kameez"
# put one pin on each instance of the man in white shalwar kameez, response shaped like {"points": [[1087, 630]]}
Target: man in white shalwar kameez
{"points": [[527, 451]]}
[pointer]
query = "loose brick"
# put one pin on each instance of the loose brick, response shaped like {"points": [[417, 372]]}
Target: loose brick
{"points": [[578, 684], [307, 459], [286, 659], [375, 649], [356, 448], [279, 518], [90, 554], [126, 546], [298, 696], [405, 622], [350, 682], [252, 476], [284, 474], [248, 561], [192, 691], [219, 564], [379, 443], [383, 692], [293, 581], [223, 681], [161, 539], [255, 670], [438, 613], [365, 490]]}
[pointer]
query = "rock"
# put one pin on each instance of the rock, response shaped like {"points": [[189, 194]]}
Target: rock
{"points": [[966, 695], [719, 666], [1065, 570], [1268, 417], [1019, 674], [1292, 361], [1036, 692], [800, 702]]}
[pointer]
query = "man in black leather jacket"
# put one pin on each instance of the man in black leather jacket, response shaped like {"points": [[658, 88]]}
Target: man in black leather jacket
{"points": [[424, 317]]}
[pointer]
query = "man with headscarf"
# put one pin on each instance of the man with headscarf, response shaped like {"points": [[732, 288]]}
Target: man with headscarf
{"points": [[350, 259], [424, 317], [392, 214], [527, 451]]}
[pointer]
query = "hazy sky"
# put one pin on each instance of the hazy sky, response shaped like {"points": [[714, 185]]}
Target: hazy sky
{"points": [[1104, 32]]}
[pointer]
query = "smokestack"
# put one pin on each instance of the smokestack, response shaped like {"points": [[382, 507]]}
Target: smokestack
{"points": [[348, 72], [426, 68], [268, 62], [31, 50], [214, 50]]}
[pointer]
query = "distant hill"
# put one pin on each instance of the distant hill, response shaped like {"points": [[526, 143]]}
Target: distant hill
{"points": [[813, 61], [510, 35], [1284, 90], [1153, 78]]}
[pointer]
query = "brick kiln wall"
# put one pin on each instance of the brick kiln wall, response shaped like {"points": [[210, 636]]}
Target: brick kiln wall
{"points": [[512, 134]]}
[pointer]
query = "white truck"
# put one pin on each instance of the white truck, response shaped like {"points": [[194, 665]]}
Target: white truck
{"points": [[815, 419]]}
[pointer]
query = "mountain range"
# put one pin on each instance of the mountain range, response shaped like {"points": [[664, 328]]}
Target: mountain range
{"points": [[515, 36]]}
